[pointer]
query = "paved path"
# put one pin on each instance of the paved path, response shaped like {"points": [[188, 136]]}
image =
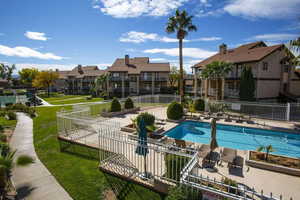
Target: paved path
{"points": [[34, 182]]}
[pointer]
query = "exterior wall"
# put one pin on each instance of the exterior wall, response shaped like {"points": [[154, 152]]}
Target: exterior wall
{"points": [[295, 87], [269, 81]]}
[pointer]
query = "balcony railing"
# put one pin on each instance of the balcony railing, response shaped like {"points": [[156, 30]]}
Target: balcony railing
{"points": [[146, 78], [231, 92], [118, 78]]}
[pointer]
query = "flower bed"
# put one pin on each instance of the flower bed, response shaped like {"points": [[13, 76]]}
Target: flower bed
{"points": [[275, 163]]}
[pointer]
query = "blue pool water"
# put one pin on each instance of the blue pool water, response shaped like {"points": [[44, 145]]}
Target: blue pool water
{"points": [[237, 137]]}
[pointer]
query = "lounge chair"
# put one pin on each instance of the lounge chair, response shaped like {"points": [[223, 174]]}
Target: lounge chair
{"points": [[228, 155], [180, 143]]}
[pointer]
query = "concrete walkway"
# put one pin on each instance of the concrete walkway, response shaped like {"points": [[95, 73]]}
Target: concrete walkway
{"points": [[35, 181]]}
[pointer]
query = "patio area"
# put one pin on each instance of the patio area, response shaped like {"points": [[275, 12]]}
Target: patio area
{"points": [[128, 164]]}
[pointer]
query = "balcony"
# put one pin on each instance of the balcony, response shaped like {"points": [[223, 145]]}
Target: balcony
{"points": [[231, 93], [161, 79], [146, 78], [118, 78]]}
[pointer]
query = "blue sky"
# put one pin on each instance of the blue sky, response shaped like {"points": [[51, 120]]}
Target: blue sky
{"points": [[63, 33]]}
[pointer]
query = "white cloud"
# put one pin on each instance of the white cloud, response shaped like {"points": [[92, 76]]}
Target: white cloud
{"points": [[274, 37], [263, 8], [136, 8], [36, 36], [139, 37], [187, 52], [158, 60], [26, 52]]}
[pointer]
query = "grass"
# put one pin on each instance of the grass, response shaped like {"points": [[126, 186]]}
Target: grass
{"points": [[79, 175], [61, 99], [8, 123]]}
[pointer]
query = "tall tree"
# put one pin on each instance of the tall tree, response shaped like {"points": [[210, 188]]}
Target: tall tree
{"points": [[6, 71], [45, 79], [100, 83], [216, 70], [247, 85], [181, 23], [27, 75], [174, 76]]}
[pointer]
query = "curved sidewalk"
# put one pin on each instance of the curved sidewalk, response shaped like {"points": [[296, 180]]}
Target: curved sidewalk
{"points": [[35, 181]]}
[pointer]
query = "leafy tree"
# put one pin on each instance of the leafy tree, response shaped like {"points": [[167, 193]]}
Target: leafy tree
{"points": [[45, 79], [27, 75], [174, 76], [6, 71], [215, 71], [268, 149], [247, 85], [181, 23]]}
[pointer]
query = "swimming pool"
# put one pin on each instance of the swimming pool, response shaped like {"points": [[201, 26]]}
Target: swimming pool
{"points": [[238, 137]]}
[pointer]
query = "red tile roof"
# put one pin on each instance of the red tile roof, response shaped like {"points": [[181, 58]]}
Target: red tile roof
{"points": [[245, 53]]}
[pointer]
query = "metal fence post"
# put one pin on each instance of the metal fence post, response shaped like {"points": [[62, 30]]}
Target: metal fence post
{"points": [[288, 109]]}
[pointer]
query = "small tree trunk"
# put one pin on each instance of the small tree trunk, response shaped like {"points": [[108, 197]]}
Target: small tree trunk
{"points": [[181, 71]]}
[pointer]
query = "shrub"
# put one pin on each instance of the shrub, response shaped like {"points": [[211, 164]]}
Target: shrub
{"points": [[183, 192], [1, 128], [11, 115], [175, 111], [148, 118], [3, 137], [230, 182], [115, 105], [129, 104], [199, 105], [174, 164]]}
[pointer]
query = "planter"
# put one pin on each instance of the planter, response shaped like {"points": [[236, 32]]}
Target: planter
{"points": [[123, 112], [129, 128], [273, 167], [175, 121]]}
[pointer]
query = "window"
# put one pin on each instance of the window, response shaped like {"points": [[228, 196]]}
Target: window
{"points": [[265, 66], [286, 68], [115, 74]]}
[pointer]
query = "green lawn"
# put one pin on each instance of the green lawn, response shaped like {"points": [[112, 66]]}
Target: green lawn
{"points": [[77, 174], [60, 99], [8, 123]]}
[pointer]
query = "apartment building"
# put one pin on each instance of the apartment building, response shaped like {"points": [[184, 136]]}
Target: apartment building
{"points": [[79, 80], [137, 76], [272, 72]]}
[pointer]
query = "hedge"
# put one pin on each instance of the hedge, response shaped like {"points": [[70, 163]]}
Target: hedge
{"points": [[175, 111]]}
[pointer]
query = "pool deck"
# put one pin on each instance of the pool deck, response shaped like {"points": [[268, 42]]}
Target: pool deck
{"points": [[268, 181]]}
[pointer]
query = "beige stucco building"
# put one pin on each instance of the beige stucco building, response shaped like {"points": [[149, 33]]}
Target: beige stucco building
{"points": [[273, 75]]}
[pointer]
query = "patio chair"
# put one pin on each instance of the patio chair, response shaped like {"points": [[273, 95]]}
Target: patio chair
{"points": [[238, 162], [228, 155], [180, 143]]}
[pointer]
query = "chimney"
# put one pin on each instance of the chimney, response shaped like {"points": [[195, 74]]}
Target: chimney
{"points": [[126, 59], [223, 49], [79, 67], [57, 70]]}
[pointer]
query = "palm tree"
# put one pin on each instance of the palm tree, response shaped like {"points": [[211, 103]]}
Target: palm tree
{"points": [[181, 23], [268, 150], [216, 70], [100, 83], [7, 163]]}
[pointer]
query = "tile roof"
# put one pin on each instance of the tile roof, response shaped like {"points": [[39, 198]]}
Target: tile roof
{"points": [[81, 71], [137, 65], [245, 53]]}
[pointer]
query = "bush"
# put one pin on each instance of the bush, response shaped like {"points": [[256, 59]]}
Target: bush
{"points": [[183, 192], [115, 105], [129, 104], [1, 128], [22, 108], [199, 105], [148, 118], [11, 115], [175, 111]]}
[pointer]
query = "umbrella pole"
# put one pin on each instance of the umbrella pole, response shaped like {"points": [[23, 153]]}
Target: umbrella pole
{"points": [[145, 166]]}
